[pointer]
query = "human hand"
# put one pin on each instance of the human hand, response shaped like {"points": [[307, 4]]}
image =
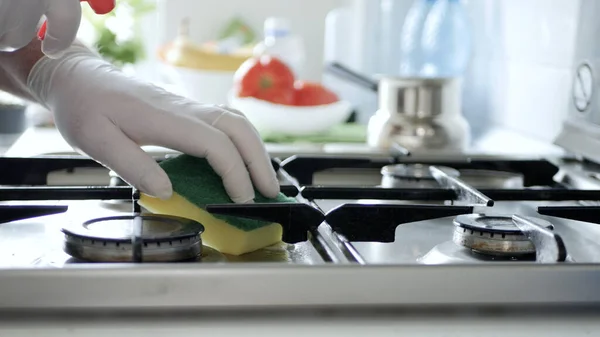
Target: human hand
{"points": [[107, 115]]}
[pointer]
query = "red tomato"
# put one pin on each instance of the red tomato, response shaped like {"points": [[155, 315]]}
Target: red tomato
{"points": [[266, 78], [101, 6], [311, 94]]}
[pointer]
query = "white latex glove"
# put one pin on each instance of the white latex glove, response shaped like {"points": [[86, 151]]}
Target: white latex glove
{"points": [[19, 21], [107, 115]]}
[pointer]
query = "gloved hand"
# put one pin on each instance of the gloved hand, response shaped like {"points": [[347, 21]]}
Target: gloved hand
{"points": [[107, 115]]}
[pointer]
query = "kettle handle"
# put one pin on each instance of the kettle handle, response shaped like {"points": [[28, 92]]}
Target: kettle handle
{"points": [[345, 73]]}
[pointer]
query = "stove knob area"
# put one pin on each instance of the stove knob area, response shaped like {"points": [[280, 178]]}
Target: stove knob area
{"points": [[583, 87]]}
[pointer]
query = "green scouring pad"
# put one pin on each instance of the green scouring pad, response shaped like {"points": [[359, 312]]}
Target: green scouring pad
{"points": [[195, 185]]}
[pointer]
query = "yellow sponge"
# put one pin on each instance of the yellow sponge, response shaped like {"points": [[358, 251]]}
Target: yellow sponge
{"points": [[195, 185]]}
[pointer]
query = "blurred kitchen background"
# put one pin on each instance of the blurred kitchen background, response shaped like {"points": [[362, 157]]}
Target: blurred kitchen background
{"points": [[517, 84]]}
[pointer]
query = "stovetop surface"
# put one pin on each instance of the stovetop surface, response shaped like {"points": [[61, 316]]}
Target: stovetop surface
{"points": [[325, 183], [349, 240], [38, 242]]}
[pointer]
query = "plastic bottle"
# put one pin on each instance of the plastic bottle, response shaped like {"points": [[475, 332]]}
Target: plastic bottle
{"points": [[446, 40], [393, 13], [411, 56], [281, 43]]}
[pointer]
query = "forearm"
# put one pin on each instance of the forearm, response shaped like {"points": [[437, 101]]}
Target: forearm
{"points": [[16, 66]]}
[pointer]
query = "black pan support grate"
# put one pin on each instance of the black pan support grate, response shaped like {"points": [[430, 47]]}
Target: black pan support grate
{"points": [[356, 222], [303, 168], [590, 214]]}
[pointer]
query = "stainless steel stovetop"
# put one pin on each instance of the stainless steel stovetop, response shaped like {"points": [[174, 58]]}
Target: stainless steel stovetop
{"points": [[429, 231]]}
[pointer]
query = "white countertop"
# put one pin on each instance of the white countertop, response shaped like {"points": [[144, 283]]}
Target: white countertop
{"points": [[40, 141]]}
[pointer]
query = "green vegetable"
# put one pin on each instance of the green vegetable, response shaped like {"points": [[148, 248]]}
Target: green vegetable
{"points": [[109, 43]]}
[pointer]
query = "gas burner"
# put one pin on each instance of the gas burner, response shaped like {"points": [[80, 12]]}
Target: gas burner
{"points": [[117, 205], [412, 176], [122, 206], [208, 255], [450, 253], [494, 235], [403, 202], [108, 239], [478, 178], [116, 180]]}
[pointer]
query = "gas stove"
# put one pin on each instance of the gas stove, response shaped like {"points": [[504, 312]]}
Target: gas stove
{"points": [[400, 230]]}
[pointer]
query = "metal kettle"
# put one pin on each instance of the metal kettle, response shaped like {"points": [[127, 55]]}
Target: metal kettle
{"points": [[414, 113]]}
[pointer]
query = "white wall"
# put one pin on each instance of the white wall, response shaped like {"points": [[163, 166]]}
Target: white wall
{"points": [[520, 76]]}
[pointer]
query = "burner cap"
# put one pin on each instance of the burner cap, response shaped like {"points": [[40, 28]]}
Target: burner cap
{"points": [[165, 239], [494, 235], [415, 171]]}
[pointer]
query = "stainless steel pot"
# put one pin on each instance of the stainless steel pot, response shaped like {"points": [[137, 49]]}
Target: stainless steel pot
{"points": [[415, 113]]}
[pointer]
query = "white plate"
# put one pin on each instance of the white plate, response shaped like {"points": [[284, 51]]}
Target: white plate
{"points": [[270, 118]]}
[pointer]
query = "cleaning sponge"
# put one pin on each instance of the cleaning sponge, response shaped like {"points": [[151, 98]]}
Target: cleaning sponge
{"points": [[196, 184]]}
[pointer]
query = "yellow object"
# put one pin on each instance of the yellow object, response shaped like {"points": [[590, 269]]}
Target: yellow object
{"points": [[186, 54], [218, 234]]}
